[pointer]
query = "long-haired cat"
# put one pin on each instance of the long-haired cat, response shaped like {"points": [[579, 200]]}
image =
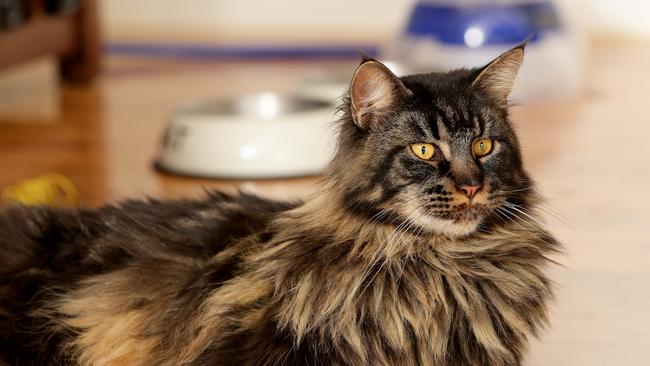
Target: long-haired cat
{"points": [[420, 249]]}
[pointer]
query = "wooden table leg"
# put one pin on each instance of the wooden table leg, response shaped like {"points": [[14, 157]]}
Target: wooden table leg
{"points": [[83, 62]]}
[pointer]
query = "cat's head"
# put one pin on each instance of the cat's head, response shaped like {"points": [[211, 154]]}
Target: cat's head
{"points": [[434, 151]]}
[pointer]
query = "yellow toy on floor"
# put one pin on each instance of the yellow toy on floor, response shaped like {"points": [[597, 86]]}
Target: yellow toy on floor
{"points": [[50, 189]]}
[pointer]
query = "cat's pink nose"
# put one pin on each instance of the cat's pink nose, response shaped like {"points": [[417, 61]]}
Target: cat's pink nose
{"points": [[470, 191]]}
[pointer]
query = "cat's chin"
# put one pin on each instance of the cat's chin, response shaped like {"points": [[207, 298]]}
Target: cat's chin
{"points": [[450, 228]]}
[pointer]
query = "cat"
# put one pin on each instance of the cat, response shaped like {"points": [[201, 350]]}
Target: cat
{"points": [[421, 248]]}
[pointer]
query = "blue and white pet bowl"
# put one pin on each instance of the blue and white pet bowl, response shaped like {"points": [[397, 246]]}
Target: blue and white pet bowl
{"points": [[448, 34]]}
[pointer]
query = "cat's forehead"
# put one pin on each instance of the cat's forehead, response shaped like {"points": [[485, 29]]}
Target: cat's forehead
{"points": [[457, 115], [450, 101], [453, 118]]}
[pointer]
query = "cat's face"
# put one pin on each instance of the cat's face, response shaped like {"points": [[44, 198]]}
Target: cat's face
{"points": [[434, 152]]}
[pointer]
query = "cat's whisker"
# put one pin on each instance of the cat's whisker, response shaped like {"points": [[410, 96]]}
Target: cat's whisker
{"points": [[543, 207], [394, 241], [404, 232], [564, 219], [499, 215], [379, 215], [536, 228], [375, 257], [520, 190], [398, 240], [377, 253], [383, 212], [394, 246], [516, 208], [389, 244], [407, 256], [523, 211], [548, 208], [516, 219]]}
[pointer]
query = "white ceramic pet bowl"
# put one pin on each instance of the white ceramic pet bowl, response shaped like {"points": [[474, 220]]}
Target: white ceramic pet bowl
{"points": [[264, 135]]}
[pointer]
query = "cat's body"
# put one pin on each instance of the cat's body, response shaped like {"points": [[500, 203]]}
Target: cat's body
{"points": [[357, 275]]}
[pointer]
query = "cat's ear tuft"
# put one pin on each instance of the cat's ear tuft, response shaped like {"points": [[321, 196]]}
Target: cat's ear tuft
{"points": [[498, 77], [365, 57], [374, 91]]}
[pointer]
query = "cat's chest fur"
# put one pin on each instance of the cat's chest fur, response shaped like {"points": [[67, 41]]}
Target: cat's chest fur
{"points": [[354, 296], [422, 304]]}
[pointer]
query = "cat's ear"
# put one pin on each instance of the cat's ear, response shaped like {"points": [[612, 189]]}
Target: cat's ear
{"points": [[374, 91], [498, 77]]}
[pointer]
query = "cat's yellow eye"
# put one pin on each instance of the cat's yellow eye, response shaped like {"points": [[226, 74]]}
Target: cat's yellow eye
{"points": [[423, 151], [482, 148]]}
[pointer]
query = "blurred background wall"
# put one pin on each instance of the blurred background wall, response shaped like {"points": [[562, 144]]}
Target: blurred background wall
{"points": [[300, 20]]}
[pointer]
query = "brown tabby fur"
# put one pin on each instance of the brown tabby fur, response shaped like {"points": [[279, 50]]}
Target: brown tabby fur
{"points": [[489, 291]]}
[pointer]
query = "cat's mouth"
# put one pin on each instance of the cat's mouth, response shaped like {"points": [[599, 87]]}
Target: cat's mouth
{"points": [[455, 219], [467, 212]]}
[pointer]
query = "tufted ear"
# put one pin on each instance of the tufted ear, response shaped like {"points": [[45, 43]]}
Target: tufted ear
{"points": [[374, 91], [498, 77]]}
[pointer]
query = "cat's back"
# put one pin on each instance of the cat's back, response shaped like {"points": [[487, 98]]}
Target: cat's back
{"points": [[191, 228], [97, 240], [92, 266]]}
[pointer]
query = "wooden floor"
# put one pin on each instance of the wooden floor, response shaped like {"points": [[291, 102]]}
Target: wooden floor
{"points": [[591, 157]]}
